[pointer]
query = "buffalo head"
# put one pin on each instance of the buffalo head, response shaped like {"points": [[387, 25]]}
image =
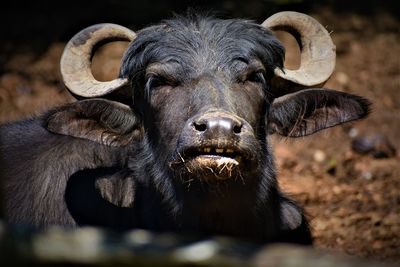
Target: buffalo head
{"points": [[200, 97]]}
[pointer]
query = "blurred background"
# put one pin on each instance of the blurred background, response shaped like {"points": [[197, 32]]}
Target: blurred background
{"points": [[347, 178]]}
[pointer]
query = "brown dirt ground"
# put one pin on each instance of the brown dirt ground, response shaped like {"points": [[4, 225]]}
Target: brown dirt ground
{"points": [[353, 200]]}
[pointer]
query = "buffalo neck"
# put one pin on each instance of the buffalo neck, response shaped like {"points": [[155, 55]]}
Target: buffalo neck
{"points": [[222, 208]]}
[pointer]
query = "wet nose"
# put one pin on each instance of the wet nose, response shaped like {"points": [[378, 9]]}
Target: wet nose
{"points": [[217, 125]]}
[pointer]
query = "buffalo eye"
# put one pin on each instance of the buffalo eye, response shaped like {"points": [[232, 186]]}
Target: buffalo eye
{"points": [[255, 77], [156, 81], [253, 72]]}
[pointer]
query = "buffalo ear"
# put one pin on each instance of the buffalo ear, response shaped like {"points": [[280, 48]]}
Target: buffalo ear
{"points": [[103, 121], [312, 110]]}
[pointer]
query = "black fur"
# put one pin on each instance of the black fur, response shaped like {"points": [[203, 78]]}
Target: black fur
{"points": [[37, 165], [125, 170]]}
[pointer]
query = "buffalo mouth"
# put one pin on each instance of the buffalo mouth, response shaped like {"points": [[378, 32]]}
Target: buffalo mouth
{"points": [[219, 155], [212, 162]]}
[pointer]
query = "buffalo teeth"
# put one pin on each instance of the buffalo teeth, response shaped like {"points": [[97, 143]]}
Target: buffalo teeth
{"points": [[219, 150], [216, 150]]}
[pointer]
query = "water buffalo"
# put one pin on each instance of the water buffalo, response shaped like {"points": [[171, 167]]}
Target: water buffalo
{"points": [[179, 142]]}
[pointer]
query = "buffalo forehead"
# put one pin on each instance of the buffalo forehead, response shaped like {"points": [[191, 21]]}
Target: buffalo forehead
{"points": [[206, 44]]}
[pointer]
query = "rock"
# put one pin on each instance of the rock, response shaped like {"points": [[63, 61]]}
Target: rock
{"points": [[342, 78], [376, 145], [367, 175], [319, 156], [353, 132]]}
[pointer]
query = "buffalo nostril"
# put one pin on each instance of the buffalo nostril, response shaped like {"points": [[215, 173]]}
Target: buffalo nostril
{"points": [[237, 129], [201, 127]]}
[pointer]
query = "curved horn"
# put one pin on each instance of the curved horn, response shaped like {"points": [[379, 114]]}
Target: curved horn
{"points": [[76, 59], [318, 53]]}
